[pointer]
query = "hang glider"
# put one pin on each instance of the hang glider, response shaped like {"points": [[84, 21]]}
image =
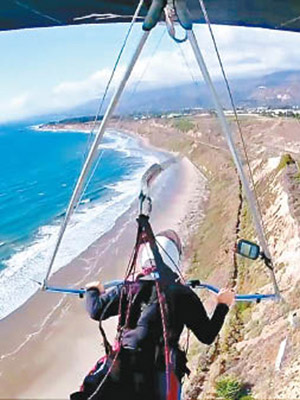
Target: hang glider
{"points": [[157, 9], [244, 247], [22, 14]]}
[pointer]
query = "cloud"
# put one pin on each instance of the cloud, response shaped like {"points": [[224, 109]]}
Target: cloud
{"points": [[19, 102], [15, 107], [65, 95], [88, 87], [244, 51], [268, 50]]}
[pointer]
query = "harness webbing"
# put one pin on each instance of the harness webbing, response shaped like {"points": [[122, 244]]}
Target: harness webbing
{"points": [[164, 277], [162, 307]]}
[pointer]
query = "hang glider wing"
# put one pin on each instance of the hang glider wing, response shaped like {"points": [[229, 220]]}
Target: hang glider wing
{"points": [[20, 14]]}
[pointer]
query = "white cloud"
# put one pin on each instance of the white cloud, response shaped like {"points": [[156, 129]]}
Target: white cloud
{"points": [[244, 51], [15, 107], [19, 102], [86, 88]]}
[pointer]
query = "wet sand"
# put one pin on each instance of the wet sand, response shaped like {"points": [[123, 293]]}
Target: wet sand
{"points": [[49, 344]]}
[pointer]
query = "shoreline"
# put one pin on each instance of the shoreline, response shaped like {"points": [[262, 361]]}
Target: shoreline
{"points": [[108, 223], [250, 335], [37, 334], [87, 129]]}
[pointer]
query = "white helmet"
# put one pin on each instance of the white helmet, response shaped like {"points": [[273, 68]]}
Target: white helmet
{"points": [[169, 246]]}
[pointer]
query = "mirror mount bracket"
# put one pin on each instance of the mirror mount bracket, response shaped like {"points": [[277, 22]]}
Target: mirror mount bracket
{"points": [[267, 261]]}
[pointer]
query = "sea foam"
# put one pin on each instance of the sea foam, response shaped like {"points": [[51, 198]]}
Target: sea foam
{"points": [[91, 220]]}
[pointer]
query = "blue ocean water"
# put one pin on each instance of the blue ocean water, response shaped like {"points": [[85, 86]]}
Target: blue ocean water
{"points": [[39, 170]]}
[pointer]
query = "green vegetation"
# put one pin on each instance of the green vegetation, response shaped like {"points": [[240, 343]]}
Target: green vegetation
{"points": [[77, 120], [183, 124], [231, 388], [285, 160], [209, 253], [246, 226], [241, 307]]}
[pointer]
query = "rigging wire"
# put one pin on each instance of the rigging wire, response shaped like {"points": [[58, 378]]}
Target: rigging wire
{"points": [[195, 81], [252, 195], [134, 18], [148, 63], [172, 260], [130, 271], [139, 80], [100, 107], [289, 22], [37, 12], [187, 342], [101, 104], [88, 181], [131, 267], [163, 316], [162, 308], [74, 199], [207, 20]]}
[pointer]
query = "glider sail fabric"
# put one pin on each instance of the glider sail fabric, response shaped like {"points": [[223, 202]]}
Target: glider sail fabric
{"points": [[20, 14]]}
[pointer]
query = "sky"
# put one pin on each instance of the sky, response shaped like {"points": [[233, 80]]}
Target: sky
{"points": [[52, 69]]}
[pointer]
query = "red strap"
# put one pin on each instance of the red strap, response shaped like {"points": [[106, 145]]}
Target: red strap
{"points": [[174, 387]]}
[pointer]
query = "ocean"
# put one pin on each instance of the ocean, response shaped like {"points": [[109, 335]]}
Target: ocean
{"points": [[39, 170]]}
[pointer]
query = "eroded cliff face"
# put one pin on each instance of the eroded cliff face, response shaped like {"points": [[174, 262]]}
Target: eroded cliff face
{"points": [[263, 327], [248, 346], [260, 362]]}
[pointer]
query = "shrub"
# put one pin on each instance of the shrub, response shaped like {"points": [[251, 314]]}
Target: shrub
{"points": [[241, 307], [183, 124], [285, 160], [229, 388]]}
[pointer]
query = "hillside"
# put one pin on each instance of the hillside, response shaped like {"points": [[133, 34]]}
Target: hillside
{"points": [[248, 346], [279, 89], [240, 365]]}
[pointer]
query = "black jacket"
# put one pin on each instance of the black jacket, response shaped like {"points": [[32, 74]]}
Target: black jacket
{"points": [[184, 308]]}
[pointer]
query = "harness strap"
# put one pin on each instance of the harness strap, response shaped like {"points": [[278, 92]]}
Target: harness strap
{"points": [[162, 307], [166, 275], [107, 345]]}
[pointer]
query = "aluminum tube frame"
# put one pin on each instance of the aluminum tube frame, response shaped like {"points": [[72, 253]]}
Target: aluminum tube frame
{"points": [[81, 292], [238, 297], [213, 289], [238, 163], [94, 150]]}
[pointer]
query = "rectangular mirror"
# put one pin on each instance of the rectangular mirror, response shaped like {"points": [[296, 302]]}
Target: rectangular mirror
{"points": [[248, 249]]}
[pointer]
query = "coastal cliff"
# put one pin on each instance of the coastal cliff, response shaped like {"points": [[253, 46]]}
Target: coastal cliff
{"points": [[247, 348], [208, 206]]}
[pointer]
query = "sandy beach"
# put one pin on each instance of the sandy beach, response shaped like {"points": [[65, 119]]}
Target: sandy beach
{"points": [[49, 344]]}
